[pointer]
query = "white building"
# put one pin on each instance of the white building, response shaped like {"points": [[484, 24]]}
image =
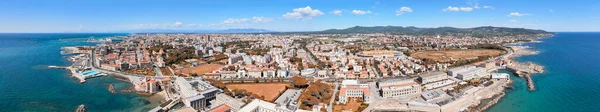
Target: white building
{"points": [[222, 99], [399, 88], [433, 94], [453, 72], [282, 73], [195, 93], [263, 106], [473, 74], [500, 76], [435, 80], [432, 77], [233, 58], [352, 89]]}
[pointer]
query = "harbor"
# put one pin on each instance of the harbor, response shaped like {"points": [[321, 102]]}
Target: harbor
{"points": [[81, 67], [523, 69]]}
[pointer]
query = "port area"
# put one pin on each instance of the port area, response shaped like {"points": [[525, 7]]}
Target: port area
{"points": [[81, 67], [524, 69]]}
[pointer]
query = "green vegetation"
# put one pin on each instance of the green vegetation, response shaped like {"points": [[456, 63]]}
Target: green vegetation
{"points": [[179, 55]]}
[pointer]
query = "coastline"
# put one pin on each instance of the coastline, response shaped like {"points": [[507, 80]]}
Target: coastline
{"points": [[519, 50], [81, 60]]}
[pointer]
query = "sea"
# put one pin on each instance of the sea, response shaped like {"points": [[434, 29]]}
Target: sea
{"points": [[570, 83], [26, 84]]}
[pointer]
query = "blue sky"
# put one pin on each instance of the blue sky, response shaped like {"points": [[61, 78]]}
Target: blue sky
{"points": [[297, 15]]}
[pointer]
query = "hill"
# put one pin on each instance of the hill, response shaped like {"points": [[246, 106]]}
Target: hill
{"points": [[443, 31]]}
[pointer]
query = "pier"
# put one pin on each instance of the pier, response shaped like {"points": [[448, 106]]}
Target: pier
{"points": [[57, 67], [530, 85], [525, 70]]}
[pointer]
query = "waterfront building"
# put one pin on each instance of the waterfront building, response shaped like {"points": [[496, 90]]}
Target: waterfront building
{"points": [[500, 76], [352, 89], [473, 74]]}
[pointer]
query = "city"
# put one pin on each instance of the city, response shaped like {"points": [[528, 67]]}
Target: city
{"points": [[308, 72], [299, 56]]}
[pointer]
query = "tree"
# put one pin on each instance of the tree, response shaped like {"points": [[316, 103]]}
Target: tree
{"points": [[299, 82], [194, 74]]}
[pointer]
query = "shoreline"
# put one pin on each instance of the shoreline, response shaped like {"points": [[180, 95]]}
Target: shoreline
{"points": [[519, 52]]}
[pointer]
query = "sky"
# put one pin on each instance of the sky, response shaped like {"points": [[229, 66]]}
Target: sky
{"points": [[292, 15]]}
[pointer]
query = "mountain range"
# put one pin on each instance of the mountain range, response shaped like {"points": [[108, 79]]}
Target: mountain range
{"points": [[484, 31]]}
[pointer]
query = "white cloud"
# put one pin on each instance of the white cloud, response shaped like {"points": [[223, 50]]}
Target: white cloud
{"points": [[233, 21], [455, 9], [261, 19], [360, 12], [551, 10], [476, 6], [178, 23], [450, 8], [402, 10], [488, 7], [466, 9], [518, 14], [336, 12], [512, 21], [303, 13]]}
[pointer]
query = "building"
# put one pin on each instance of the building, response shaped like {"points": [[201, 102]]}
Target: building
{"points": [[454, 71], [255, 73], [228, 74], [263, 106], [435, 80], [352, 89], [399, 88], [473, 74], [500, 76], [222, 99], [221, 108], [432, 77], [433, 94], [195, 93], [233, 58], [377, 53]]}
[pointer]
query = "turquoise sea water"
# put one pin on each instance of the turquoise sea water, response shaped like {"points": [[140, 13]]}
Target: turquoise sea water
{"points": [[571, 82], [25, 83]]}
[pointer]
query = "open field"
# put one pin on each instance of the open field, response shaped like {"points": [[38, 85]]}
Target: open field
{"points": [[455, 55], [270, 90], [352, 105], [206, 68]]}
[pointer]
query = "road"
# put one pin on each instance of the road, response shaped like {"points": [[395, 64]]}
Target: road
{"points": [[335, 90]]}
